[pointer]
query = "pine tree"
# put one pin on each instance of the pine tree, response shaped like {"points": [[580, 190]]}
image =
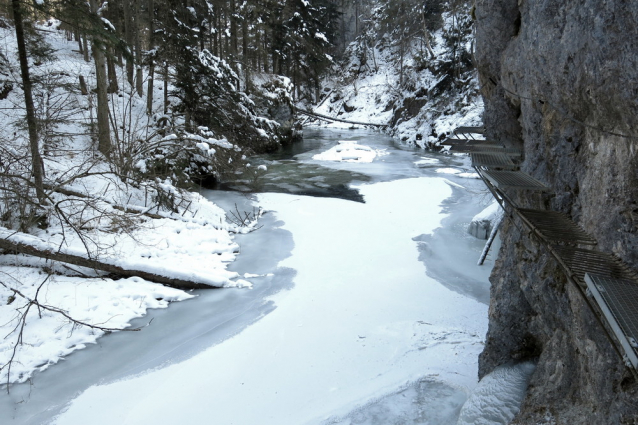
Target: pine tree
{"points": [[36, 159]]}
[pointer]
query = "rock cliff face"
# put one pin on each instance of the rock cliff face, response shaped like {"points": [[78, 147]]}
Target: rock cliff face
{"points": [[560, 80]]}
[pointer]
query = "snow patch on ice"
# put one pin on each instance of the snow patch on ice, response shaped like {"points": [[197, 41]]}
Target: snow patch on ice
{"points": [[448, 171], [349, 151], [468, 175], [427, 161]]}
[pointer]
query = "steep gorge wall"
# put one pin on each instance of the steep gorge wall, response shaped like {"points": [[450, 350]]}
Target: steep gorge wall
{"points": [[560, 80]]}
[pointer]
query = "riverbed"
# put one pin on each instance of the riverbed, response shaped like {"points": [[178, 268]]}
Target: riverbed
{"points": [[367, 306]]}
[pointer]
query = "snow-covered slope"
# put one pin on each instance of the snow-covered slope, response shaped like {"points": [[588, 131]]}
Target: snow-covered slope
{"points": [[117, 212], [423, 98]]}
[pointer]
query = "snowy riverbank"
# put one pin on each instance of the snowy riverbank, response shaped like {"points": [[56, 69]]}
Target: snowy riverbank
{"points": [[37, 337]]}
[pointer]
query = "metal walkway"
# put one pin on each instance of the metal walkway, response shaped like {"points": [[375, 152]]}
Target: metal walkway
{"points": [[497, 161], [468, 132], [485, 148], [553, 227], [608, 286], [469, 142], [513, 180], [617, 299]]}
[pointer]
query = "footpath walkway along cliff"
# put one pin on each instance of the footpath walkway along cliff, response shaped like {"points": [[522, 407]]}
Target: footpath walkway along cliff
{"points": [[608, 286]]}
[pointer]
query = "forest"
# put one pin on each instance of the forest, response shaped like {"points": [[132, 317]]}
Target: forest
{"points": [[223, 69]]}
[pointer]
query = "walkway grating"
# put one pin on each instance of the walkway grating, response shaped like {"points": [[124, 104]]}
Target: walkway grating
{"points": [[613, 285], [514, 180], [555, 226], [493, 160], [468, 130], [470, 142], [618, 300], [581, 261], [487, 149]]}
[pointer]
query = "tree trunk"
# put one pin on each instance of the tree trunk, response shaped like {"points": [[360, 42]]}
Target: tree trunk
{"points": [[426, 36], [128, 37], [488, 244], [401, 54], [356, 18], [295, 95], [36, 160], [103, 130], [233, 30], [79, 40], [244, 52], [165, 88], [40, 249], [258, 50], [83, 89], [275, 64], [139, 75], [112, 74], [85, 50], [213, 30], [317, 90], [151, 59]]}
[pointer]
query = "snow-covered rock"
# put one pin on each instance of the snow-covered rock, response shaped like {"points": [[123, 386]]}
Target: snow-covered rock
{"points": [[483, 222]]}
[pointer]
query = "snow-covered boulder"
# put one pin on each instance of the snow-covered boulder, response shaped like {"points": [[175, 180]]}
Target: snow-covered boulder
{"points": [[483, 222]]}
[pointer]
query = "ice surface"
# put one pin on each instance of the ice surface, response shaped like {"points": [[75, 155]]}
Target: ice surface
{"points": [[426, 401], [361, 319], [427, 162], [450, 253]]}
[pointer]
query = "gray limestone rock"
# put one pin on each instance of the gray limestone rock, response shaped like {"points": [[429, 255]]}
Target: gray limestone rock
{"points": [[560, 80]]}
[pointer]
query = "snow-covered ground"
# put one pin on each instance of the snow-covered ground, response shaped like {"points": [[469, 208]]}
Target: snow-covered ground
{"points": [[404, 96], [194, 242], [170, 247]]}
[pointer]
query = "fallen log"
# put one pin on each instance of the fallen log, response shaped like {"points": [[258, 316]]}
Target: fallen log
{"points": [[327, 118], [31, 245]]}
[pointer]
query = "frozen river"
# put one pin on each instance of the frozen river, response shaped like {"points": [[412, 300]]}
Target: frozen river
{"points": [[368, 307]]}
